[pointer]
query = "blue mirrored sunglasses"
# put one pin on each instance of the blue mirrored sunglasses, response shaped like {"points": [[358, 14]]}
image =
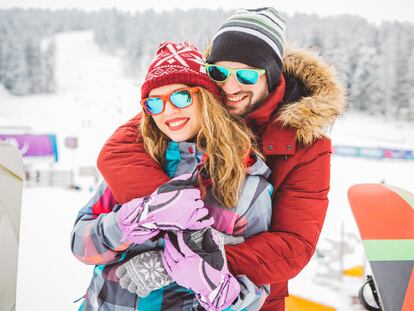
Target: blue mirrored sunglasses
{"points": [[181, 98], [243, 76]]}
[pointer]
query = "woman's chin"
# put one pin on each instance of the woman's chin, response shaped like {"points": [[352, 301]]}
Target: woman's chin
{"points": [[181, 135], [179, 138]]}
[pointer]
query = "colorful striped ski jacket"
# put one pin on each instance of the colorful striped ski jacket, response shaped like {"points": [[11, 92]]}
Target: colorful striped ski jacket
{"points": [[96, 240]]}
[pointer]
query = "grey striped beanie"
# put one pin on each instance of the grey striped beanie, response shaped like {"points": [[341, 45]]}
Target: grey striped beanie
{"points": [[255, 37]]}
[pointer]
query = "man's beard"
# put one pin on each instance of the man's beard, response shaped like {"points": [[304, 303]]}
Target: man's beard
{"points": [[251, 106]]}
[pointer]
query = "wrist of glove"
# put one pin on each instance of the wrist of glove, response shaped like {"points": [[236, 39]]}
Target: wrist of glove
{"points": [[200, 265], [143, 273], [222, 296], [133, 223]]}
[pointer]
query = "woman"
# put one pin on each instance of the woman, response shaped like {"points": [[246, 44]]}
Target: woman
{"points": [[185, 129]]}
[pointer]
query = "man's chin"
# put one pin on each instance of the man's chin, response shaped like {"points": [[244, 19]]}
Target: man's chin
{"points": [[236, 111]]}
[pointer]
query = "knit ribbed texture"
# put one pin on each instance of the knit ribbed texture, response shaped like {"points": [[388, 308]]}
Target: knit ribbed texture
{"points": [[255, 37], [264, 23]]}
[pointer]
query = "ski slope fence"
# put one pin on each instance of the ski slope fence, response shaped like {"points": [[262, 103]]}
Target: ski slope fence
{"points": [[372, 152]]}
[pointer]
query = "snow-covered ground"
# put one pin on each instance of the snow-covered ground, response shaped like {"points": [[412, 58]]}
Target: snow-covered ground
{"points": [[92, 99]]}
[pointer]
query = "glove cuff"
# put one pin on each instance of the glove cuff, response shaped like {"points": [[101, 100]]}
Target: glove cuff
{"points": [[222, 296]]}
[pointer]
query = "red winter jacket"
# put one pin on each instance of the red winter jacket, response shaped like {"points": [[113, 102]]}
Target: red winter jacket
{"points": [[298, 153]]}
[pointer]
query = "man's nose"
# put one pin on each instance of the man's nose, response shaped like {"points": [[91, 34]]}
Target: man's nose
{"points": [[231, 85]]}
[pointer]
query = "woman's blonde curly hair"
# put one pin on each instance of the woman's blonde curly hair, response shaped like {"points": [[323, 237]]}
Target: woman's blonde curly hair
{"points": [[225, 139]]}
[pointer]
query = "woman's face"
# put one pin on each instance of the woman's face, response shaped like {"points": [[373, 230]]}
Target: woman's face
{"points": [[179, 124]]}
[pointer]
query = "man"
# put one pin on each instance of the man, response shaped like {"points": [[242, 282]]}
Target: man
{"points": [[289, 100]]}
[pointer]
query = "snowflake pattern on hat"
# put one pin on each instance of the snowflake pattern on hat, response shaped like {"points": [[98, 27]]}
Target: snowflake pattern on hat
{"points": [[160, 71], [175, 58]]}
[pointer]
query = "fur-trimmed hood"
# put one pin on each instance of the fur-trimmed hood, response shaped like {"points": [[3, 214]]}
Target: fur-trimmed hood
{"points": [[314, 114]]}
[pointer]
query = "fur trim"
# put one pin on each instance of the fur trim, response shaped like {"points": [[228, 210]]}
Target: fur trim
{"points": [[314, 115]]}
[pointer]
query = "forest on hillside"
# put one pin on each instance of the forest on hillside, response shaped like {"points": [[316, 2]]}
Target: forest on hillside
{"points": [[374, 62]]}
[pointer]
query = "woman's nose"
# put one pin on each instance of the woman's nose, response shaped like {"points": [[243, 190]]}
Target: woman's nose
{"points": [[169, 107]]}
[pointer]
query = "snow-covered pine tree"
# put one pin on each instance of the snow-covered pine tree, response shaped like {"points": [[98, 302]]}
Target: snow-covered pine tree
{"points": [[33, 65], [365, 90], [410, 85], [47, 69], [388, 58], [403, 47], [15, 77]]}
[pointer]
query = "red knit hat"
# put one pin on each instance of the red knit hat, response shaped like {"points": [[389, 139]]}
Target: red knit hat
{"points": [[177, 63]]}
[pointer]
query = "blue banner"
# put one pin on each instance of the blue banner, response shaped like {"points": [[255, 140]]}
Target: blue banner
{"points": [[373, 153]]}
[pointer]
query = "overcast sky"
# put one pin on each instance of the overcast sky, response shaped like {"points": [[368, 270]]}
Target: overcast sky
{"points": [[374, 11]]}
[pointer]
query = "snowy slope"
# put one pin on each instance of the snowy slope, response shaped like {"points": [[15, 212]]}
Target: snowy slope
{"points": [[368, 131], [92, 99]]}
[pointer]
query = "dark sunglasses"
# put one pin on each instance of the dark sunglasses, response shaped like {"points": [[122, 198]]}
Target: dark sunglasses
{"points": [[181, 98], [244, 76]]}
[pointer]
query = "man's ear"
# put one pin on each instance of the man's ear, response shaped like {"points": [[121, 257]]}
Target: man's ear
{"points": [[207, 50]]}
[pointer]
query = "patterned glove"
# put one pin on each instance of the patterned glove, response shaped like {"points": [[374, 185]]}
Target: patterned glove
{"points": [[143, 273], [175, 205], [202, 269]]}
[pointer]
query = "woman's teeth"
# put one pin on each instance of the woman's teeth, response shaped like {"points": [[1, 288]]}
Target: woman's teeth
{"points": [[176, 123]]}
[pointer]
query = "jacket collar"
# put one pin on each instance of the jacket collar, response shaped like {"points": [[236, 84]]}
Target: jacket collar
{"points": [[303, 110]]}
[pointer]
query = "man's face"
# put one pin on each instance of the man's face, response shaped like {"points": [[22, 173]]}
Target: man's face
{"points": [[241, 99]]}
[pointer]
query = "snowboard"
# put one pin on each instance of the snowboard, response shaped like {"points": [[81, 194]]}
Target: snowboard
{"points": [[385, 218], [11, 186]]}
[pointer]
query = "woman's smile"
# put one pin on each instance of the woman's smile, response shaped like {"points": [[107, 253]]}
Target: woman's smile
{"points": [[177, 124]]}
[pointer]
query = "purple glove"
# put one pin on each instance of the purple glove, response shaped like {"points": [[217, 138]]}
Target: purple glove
{"points": [[176, 205], [132, 229], [201, 267]]}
